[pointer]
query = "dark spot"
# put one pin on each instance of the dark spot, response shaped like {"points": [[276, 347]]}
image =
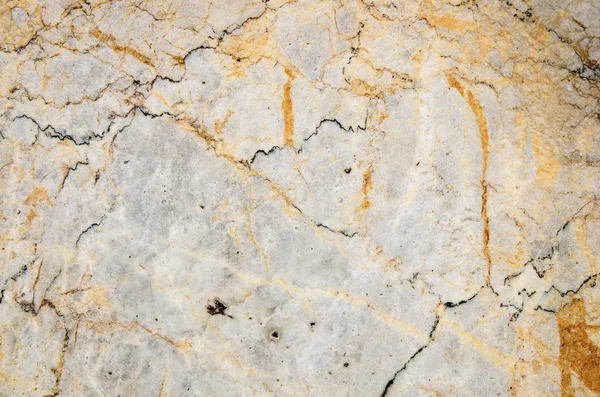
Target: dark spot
{"points": [[346, 365], [275, 334], [348, 170], [312, 324], [218, 307], [126, 161], [418, 162]]}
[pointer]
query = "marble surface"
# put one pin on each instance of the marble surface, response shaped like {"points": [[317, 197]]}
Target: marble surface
{"points": [[299, 198]]}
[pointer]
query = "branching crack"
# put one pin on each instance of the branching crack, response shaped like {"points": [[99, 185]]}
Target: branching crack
{"points": [[52, 132]]}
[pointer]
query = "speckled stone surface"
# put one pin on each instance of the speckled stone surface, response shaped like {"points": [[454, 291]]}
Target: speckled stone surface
{"points": [[299, 198]]}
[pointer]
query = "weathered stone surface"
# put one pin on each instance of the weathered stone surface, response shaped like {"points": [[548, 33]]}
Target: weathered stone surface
{"points": [[299, 198]]}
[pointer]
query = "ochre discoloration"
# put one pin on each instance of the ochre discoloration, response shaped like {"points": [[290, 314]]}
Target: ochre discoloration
{"points": [[37, 277], [204, 134], [360, 63], [517, 259], [547, 164], [112, 43], [447, 22], [488, 351], [478, 111], [581, 234], [278, 190], [17, 35], [367, 186], [288, 110], [220, 125], [58, 371], [578, 353], [99, 296], [362, 88], [39, 194], [162, 384]]}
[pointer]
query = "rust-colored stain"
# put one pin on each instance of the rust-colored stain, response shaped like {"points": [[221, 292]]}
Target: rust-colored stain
{"points": [[367, 186], [112, 43], [547, 162], [220, 125], [31, 215], [381, 117], [162, 384], [98, 295], [362, 88], [37, 277], [577, 352], [58, 371], [288, 110], [581, 234], [204, 134], [278, 190], [477, 110], [450, 23], [37, 195]]}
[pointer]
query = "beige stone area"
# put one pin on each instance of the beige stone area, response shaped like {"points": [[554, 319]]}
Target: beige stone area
{"points": [[299, 198]]}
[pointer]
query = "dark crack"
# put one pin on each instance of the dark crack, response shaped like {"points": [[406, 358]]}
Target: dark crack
{"points": [[69, 170], [93, 225], [590, 279], [264, 153], [273, 149], [419, 351], [335, 121], [52, 132], [462, 302], [342, 232]]}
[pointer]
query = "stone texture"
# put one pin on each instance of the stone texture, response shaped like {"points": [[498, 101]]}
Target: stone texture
{"points": [[299, 198]]}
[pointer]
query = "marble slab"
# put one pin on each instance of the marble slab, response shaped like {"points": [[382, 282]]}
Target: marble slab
{"points": [[299, 198]]}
